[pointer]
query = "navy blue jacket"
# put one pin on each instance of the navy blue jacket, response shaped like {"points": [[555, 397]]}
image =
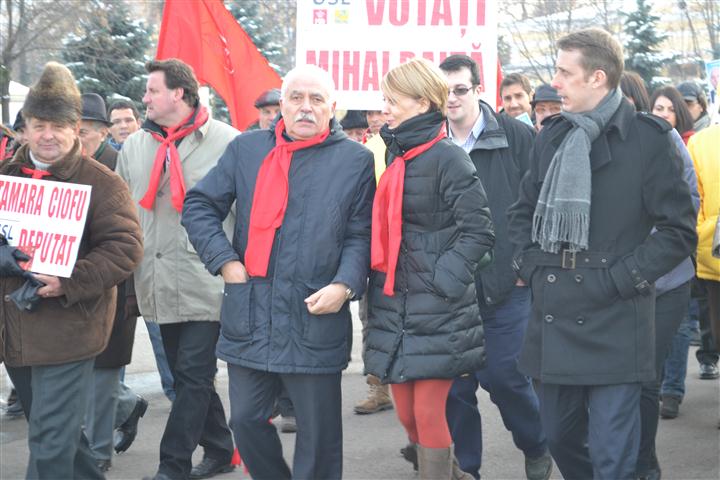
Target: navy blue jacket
{"points": [[324, 238], [501, 156]]}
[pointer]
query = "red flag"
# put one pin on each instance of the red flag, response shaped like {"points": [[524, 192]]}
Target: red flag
{"points": [[203, 34]]}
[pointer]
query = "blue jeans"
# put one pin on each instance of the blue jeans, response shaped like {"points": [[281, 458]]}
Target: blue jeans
{"points": [[673, 383], [504, 327], [166, 377]]}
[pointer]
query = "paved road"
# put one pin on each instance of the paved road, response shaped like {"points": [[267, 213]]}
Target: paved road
{"points": [[688, 447]]}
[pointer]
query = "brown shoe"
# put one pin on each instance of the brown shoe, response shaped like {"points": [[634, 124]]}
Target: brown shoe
{"points": [[378, 398]]}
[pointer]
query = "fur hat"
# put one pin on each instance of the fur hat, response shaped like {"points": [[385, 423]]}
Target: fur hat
{"points": [[55, 97]]}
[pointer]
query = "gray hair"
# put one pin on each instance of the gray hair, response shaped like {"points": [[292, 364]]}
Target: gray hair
{"points": [[314, 72]]}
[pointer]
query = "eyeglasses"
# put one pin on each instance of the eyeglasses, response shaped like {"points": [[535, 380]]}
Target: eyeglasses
{"points": [[460, 90]]}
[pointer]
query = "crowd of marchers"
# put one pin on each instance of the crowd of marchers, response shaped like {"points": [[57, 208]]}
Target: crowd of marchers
{"points": [[561, 253]]}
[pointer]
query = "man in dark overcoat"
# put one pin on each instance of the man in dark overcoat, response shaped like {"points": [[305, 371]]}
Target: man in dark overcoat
{"points": [[601, 177], [300, 250]]}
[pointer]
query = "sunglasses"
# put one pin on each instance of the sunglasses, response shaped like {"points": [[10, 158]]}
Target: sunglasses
{"points": [[460, 91]]}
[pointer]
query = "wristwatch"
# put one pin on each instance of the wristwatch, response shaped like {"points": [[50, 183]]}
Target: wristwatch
{"points": [[349, 294]]}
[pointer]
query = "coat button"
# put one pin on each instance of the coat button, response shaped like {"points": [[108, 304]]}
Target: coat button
{"points": [[158, 255], [578, 278], [488, 299], [551, 278], [580, 320], [549, 318], [7, 298]]}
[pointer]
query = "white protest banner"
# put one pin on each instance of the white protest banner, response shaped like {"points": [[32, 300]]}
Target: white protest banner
{"points": [[358, 41], [44, 219]]}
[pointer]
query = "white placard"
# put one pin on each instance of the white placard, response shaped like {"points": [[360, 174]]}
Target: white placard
{"points": [[44, 219], [358, 41]]}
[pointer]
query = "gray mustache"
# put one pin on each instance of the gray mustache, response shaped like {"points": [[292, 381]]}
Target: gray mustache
{"points": [[306, 117]]}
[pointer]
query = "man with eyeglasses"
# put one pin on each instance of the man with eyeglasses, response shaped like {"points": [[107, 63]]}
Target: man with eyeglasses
{"points": [[499, 146]]}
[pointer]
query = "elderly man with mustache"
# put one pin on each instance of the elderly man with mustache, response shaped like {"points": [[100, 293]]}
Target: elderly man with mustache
{"points": [[299, 252]]}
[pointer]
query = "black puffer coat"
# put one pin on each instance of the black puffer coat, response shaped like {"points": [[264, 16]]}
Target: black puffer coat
{"points": [[431, 327]]}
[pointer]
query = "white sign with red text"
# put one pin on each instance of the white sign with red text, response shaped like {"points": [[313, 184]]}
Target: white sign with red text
{"points": [[358, 41], [45, 220]]}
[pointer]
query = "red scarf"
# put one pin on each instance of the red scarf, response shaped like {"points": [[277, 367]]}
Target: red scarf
{"points": [[270, 199], [167, 149], [387, 215], [3, 145], [36, 173]]}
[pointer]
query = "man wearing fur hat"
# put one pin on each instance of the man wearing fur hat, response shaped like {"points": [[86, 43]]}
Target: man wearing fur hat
{"points": [[49, 346], [176, 146]]}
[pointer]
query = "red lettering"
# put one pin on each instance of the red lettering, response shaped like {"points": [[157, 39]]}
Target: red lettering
{"points": [[71, 240], [399, 16], [317, 58], [429, 56], [57, 237], [375, 10], [23, 237], [39, 201], [351, 69], [65, 204], [81, 205], [53, 199], [463, 13], [441, 11], [421, 12], [480, 13], [371, 77], [405, 56]]}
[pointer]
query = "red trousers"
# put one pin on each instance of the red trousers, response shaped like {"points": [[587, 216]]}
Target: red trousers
{"points": [[420, 407]]}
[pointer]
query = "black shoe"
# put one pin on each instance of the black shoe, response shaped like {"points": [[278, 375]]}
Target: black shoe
{"points": [[670, 406], [104, 465], [709, 371], [128, 430], [409, 453], [209, 467]]}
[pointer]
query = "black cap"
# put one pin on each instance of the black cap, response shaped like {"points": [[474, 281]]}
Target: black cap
{"points": [[690, 91], [545, 93], [354, 119], [19, 121], [93, 108], [268, 98]]}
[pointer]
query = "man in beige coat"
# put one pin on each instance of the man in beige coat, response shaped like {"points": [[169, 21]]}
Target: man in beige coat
{"points": [[176, 146]]}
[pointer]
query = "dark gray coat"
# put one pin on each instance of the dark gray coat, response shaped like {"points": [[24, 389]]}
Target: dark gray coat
{"points": [[431, 327], [595, 326], [324, 238]]}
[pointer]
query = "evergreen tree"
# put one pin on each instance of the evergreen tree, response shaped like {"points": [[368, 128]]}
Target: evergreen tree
{"points": [[108, 55], [642, 48]]}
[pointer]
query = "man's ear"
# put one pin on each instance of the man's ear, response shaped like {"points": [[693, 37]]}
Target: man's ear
{"points": [[178, 93], [598, 78]]}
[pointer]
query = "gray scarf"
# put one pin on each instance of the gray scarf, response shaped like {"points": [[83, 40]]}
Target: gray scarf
{"points": [[562, 214]]}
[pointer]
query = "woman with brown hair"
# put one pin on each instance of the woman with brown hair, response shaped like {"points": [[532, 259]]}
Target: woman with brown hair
{"points": [[431, 226]]}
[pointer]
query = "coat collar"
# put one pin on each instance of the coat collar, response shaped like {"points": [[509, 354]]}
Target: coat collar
{"points": [[63, 169], [412, 132], [600, 151], [493, 136]]}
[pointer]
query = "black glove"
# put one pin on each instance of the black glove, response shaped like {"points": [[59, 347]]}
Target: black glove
{"points": [[26, 297], [9, 256]]}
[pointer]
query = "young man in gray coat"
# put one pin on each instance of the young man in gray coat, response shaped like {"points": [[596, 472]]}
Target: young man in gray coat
{"points": [[601, 177]]}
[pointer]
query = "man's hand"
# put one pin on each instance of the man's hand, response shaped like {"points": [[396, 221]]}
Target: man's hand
{"points": [[52, 288], [329, 299], [234, 272]]}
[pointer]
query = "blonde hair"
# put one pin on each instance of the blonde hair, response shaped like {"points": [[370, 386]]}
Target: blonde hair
{"points": [[418, 79]]}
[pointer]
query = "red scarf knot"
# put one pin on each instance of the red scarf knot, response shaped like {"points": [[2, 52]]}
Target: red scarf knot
{"points": [[168, 150], [270, 199], [36, 173], [387, 214]]}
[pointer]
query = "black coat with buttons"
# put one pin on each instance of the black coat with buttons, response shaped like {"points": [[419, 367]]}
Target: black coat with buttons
{"points": [[431, 327], [594, 324]]}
